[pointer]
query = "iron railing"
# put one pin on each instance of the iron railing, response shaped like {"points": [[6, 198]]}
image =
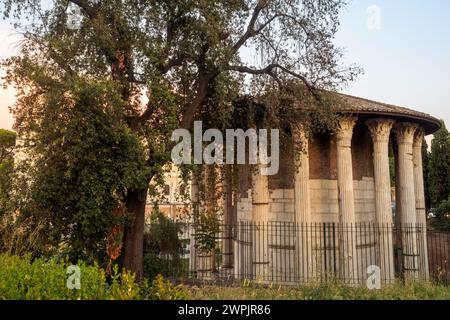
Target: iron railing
{"points": [[290, 253]]}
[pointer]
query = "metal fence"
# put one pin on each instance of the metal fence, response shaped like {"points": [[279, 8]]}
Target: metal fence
{"points": [[291, 253]]}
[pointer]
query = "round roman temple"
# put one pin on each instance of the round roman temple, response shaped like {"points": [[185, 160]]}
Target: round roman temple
{"points": [[335, 210]]}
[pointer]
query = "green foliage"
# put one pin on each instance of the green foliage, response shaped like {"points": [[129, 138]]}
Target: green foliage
{"points": [[164, 290], [207, 215], [20, 237], [154, 265], [85, 160], [425, 164], [24, 279], [206, 232], [21, 278], [442, 213], [325, 291], [80, 92], [6, 172], [439, 166], [162, 235], [391, 165], [7, 144], [162, 246]]}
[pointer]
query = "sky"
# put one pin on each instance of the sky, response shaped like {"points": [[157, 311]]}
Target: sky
{"points": [[402, 45], [406, 57]]}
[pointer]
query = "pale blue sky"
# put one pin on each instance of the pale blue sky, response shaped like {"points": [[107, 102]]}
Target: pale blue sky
{"points": [[406, 61]]}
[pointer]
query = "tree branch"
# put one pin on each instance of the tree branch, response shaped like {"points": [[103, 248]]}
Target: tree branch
{"points": [[83, 4], [269, 70], [265, 24], [250, 31], [201, 93], [163, 69]]}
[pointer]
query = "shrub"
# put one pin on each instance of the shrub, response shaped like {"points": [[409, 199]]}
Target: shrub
{"points": [[162, 246], [164, 290], [154, 265], [21, 278], [24, 279], [162, 235]]}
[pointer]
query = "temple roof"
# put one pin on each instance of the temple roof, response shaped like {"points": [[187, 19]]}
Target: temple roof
{"points": [[368, 107]]}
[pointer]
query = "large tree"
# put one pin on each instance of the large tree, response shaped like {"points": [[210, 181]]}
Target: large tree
{"points": [[175, 54]]}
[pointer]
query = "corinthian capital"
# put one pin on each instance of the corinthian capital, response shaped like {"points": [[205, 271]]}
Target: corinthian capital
{"points": [[380, 129], [405, 132], [345, 131], [418, 137]]}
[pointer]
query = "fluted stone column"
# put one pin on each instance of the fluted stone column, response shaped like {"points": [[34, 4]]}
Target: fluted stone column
{"points": [[302, 207], [260, 196], [260, 215], [405, 135], [347, 235], [380, 130], [420, 203]]}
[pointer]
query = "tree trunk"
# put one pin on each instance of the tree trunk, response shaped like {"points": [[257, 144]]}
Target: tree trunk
{"points": [[133, 240]]}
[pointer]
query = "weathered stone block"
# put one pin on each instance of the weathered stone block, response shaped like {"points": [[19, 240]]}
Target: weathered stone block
{"points": [[289, 207], [289, 193], [277, 194], [276, 207]]}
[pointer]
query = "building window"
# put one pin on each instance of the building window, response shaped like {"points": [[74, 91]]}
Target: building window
{"points": [[166, 190], [184, 190]]}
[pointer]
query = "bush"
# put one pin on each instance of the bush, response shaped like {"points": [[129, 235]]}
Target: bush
{"points": [[23, 279], [162, 246], [154, 265], [164, 290], [162, 235]]}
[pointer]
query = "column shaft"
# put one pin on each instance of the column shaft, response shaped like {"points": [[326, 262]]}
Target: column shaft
{"points": [[347, 235], [406, 197], [260, 215], [302, 207], [380, 130], [420, 204]]}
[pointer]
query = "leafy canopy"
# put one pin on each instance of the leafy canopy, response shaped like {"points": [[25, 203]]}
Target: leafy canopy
{"points": [[97, 102]]}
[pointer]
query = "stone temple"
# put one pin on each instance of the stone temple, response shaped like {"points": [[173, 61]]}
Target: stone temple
{"points": [[339, 199], [332, 209]]}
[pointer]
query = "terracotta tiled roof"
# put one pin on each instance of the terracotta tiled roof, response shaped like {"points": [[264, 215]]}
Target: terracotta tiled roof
{"points": [[357, 105]]}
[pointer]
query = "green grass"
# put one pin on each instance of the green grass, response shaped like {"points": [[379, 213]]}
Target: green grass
{"points": [[327, 291]]}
